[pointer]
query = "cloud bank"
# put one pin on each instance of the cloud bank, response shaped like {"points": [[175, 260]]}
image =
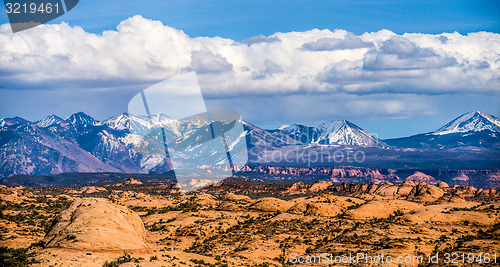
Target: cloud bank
{"points": [[315, 61], [318, 73]]}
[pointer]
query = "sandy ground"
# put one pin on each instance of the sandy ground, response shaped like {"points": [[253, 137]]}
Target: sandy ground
{"points": [[201, 229]]}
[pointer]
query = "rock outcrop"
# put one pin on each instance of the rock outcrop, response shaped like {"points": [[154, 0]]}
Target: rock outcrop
{"points": [[443, 185], [132, 181], [319, 186], [419, 177], [324, 204], [96, 224], [382, 209], [348, 174], [425, 193], [271, 204]]}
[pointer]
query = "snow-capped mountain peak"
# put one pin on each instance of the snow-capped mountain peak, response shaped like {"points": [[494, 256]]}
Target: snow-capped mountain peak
{"points": [[289, 128], [142, 124], [337, 132], [474, 121], [300, 132], [49, 121], [123, 121], [343, 132], [12, 121], [81, 118], [334, 126], [161, 119]]}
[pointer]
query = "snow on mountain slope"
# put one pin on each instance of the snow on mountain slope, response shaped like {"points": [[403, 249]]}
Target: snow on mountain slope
{"points": [[49, 121], [30, 149], [474, 121], [290, 128], [142, 125], [258, 137], [164, 121], [343, 132], [81, 118], [299, 132], [128, 143], [339, 132], [475, 129], [12, 121], [126, 121]]}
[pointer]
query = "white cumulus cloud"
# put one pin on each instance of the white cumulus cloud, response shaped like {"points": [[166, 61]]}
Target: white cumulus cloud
{"points": [[394, 68], [316, 61]]}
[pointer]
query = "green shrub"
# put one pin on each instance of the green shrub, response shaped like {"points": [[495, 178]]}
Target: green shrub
{"points": [[16, 257], [120, 260]]}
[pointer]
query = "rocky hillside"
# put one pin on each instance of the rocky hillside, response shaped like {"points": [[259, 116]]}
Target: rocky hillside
{"points": [[340, 174], [407, 190]]}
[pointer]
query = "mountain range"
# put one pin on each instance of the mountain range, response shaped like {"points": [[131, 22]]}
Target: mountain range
{"points": [[473, 129], [80, 143], [339, 132]]}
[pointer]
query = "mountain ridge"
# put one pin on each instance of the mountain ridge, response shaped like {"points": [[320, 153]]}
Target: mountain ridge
{"points": [[335, 132], [81, 143], [471, 121], [325, 127], [473, 129]]}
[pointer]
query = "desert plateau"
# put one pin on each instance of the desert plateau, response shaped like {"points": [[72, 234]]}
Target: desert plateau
{"points": [[247, 223]]}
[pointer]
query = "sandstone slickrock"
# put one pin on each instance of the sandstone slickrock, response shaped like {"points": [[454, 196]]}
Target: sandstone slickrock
{"points": [[319, 186], [271, 204], [96, 224], [204, 199], [238, 198], [419, 177], [92, 189], [443, 185], [456, 199], [444, 214], [388, 190], [425, 193], [132, 181], [382, 209], [229, 206], [297, 188], [324, 204]]}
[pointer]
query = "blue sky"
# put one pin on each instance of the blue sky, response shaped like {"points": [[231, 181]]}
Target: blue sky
{"points": [[239, 20], [388, 83]]}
